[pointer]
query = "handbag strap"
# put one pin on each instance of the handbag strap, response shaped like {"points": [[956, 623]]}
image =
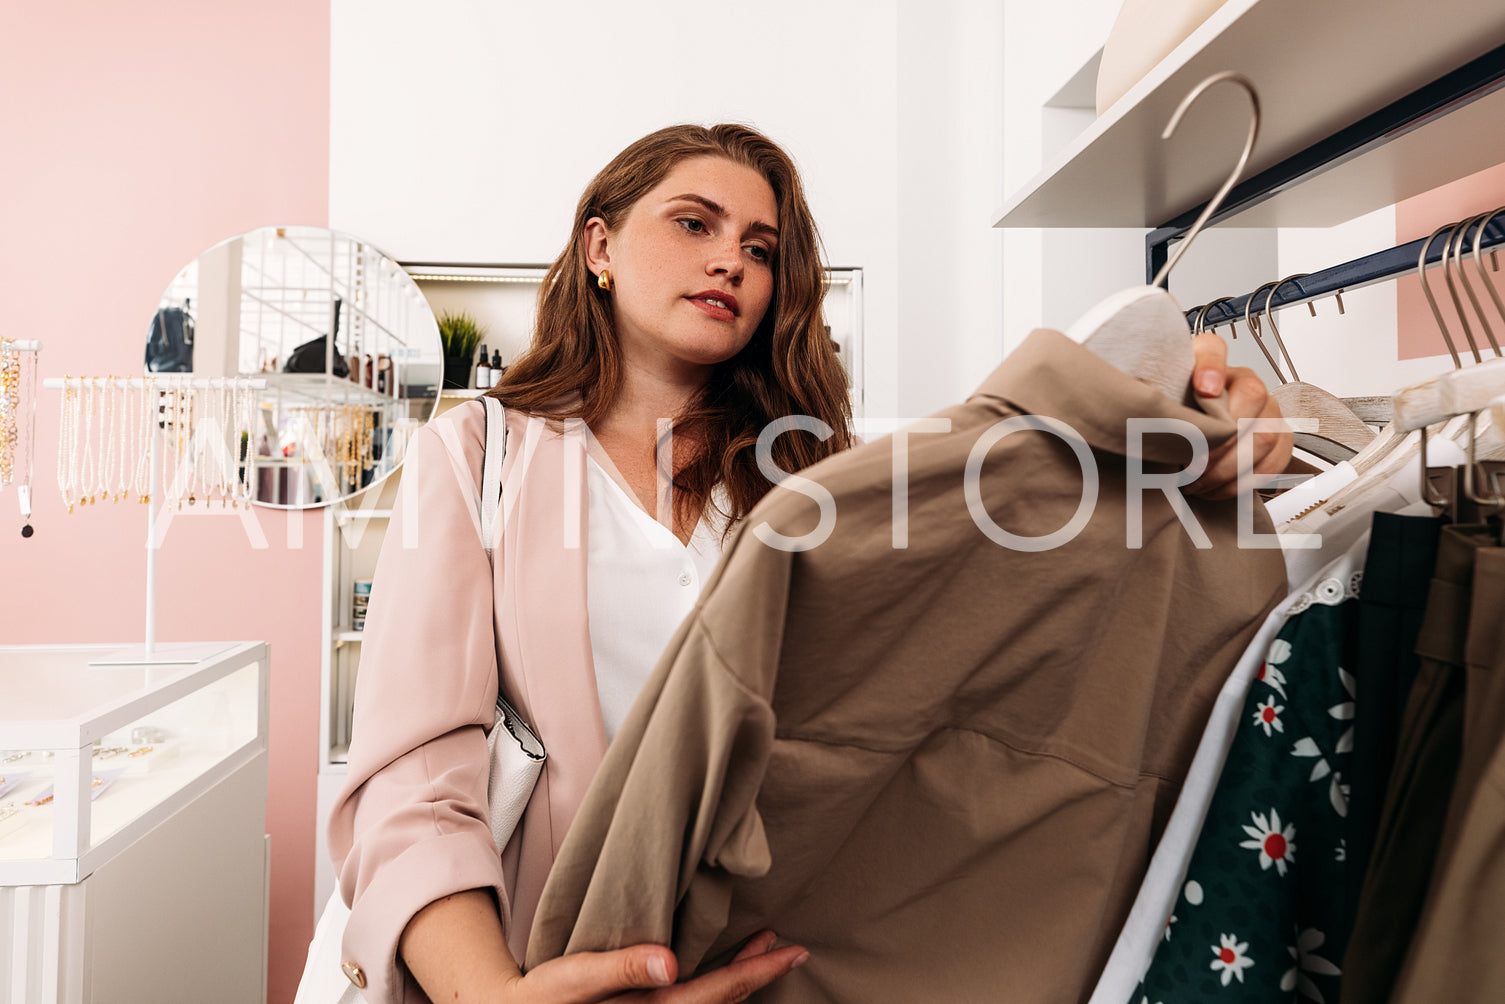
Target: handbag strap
{"points": [[491, 468]]}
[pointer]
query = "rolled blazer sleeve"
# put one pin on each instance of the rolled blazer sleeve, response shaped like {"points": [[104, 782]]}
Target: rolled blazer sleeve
{"points": [[410, 826]]}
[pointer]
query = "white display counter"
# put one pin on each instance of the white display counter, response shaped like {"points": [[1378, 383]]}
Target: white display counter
{"points": [[133, 854]]}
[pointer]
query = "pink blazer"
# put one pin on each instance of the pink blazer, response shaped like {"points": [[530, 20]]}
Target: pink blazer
{"points": [[410, 825]]}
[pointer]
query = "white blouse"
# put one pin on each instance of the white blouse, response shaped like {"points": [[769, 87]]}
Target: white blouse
{"points": [[640, 583]]}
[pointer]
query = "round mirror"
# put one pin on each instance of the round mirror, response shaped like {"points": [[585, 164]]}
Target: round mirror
{"points": [[342, 346]]}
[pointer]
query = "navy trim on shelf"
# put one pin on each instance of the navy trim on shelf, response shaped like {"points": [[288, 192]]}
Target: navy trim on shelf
{"points": [[1363, 271]]}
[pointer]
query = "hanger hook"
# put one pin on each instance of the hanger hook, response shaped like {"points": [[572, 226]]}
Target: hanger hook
{"points": [[1202, 314], [1452, 252], [1196, 321], [1275, 328], [1426, 287], [1468, 286], [1484, 276], [1252, 323], [1238, 169], [1470, 484], [1437, 501]]}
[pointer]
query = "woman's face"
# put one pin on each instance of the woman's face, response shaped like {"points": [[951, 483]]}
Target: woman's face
{"points": [[691, 266]]}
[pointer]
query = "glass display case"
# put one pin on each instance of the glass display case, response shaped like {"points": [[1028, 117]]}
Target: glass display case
{"points": [[132, 822]]}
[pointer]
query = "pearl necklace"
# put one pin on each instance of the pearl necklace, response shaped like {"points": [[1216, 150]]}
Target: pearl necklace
{"points": [[124, 437], [101, 491], [67, 432], [86, 455], [146, 422]]}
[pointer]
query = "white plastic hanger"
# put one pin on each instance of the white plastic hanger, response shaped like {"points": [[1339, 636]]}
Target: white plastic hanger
{"points": [[1142, 330]]}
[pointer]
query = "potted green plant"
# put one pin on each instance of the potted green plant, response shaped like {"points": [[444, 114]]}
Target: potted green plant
{"points": [[459, 334]]}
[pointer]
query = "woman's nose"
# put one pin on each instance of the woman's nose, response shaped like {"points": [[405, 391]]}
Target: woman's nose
{"points": [[726, 259]]}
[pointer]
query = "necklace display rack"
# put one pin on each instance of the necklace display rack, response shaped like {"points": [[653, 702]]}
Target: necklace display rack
{"points": [[205, 424], [19, 359]]}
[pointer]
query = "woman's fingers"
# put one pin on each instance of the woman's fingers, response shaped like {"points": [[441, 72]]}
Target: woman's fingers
{"points": [[735, 981], [646, 973], [1209, 373], [587, 977], [758, 944], [1247, 398]]}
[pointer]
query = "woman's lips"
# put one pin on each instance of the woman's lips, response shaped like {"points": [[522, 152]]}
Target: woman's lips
{"points": [[720, 313]]}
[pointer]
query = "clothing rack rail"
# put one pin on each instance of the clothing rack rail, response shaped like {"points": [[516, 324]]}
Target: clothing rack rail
{"points": [[1377, 267], [1468, 83]]}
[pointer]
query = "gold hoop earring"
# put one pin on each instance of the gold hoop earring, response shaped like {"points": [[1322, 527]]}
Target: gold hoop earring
{"points": [[604, 280]]}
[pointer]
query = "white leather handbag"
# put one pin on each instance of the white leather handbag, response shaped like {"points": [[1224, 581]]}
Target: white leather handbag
{"points": [[517, 758]]}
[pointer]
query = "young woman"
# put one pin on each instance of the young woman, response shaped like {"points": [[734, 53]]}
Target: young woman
{"points": [[682, 318]]}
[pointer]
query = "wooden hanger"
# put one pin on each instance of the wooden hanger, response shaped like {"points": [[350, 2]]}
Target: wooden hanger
{"points": [[1340, 434]]}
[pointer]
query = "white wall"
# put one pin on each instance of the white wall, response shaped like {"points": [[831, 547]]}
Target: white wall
{"points": [[950, 131], [464, 131]]}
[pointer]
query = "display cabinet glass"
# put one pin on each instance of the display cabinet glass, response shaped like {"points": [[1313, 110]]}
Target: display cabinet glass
{"points": [[92, 756]]}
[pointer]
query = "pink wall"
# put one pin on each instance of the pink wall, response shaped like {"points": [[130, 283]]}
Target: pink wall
{"points": [[134, 136], [1419, 217]]}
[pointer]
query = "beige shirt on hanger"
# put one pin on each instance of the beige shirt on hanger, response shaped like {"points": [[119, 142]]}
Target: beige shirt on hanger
{"points": [[941, 768]]}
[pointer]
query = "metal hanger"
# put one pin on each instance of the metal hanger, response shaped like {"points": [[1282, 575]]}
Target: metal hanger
{"points": [[1470, 487], [1141, 330], [1340, 434], [1494, 260], [1452, 256], [1238, 169], [1251, 321], [1421, 273], [1198, 326], [1483, 221]]}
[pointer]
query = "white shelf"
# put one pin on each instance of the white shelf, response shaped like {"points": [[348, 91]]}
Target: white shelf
{"points": [[319, 388], [346, 515], [344, 636], [1319, 67]]}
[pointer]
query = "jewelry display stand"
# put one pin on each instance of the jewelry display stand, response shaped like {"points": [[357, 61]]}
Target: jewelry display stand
{"points": [[16, 408], [151, 654], [132, 826]]}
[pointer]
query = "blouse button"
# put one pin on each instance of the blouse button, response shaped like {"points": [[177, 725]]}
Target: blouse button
{"points": [[684, 578], [1330, 591], [354, 974]]}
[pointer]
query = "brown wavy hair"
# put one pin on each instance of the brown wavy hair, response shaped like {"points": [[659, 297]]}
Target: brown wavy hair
{"points": [[573, 367]]}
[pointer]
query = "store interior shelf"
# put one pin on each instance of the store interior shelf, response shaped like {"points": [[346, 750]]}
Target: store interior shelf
{"points": [[1316, 77], [343, 516], [321, 389], [344, 636]]}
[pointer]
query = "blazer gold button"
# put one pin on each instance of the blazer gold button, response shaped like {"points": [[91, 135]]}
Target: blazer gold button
{"points": [[354, 974]]}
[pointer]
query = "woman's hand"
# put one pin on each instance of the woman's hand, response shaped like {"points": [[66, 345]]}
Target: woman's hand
{"points": [[644, 974], [1247, 398]]}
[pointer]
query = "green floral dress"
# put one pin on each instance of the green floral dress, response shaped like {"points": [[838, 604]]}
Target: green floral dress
{"points": [[1261, 916]]}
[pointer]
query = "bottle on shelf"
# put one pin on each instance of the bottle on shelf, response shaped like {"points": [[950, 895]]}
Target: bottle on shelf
{"points": [[383, 373], [371, 372], [483, 371], [497, 369]]}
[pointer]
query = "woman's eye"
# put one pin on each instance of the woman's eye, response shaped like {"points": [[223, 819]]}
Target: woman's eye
{"points": [[693, 225], [759, 252]]}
